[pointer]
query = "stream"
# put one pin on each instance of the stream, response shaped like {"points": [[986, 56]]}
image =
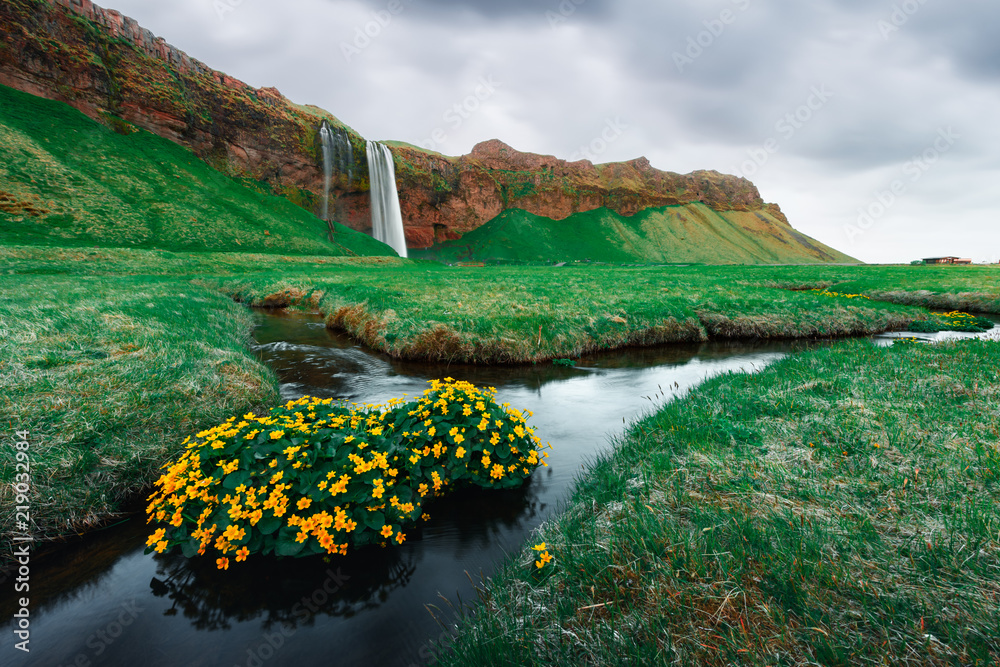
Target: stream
{"points": [[101, 601]]}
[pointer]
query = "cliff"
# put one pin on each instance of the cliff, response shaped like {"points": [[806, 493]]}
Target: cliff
{"points": [[111, 69]]}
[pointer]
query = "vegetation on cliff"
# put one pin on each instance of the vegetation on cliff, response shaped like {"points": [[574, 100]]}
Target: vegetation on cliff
{"points": [[693, 233], [111, 68], [68, 180]]}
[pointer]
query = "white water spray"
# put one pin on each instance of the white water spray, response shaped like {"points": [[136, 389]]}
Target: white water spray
{"points": [[337, 154], [387, 221]]}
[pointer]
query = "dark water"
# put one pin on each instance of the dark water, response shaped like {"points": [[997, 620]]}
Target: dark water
{"points": [[102, 602]]}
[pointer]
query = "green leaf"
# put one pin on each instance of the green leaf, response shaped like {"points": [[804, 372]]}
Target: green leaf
{"points": [[234, 479], [190, 547], [268, 525], [287, 546], [374, 520]]}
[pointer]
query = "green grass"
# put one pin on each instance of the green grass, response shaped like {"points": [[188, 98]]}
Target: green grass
{"points": [[111, 356], [108, 375], [66, 180], [837, 508], [527, 314], [678, 234]]}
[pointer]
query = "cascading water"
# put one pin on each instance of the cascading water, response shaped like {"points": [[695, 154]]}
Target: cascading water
{"points": [[337, 154], [387, 221]]}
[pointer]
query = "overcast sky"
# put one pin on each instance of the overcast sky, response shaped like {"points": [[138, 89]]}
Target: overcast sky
{"points": [[875, 124]]}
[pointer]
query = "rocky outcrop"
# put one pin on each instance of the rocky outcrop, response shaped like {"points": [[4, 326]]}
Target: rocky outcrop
{"points": [[107, 66], [443, 197]]}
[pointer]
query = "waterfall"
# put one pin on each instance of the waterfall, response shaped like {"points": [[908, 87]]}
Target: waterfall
{"points": [[337, 154], [387, 221]]}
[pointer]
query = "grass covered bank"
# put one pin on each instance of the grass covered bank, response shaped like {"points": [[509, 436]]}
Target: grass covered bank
{"points": [[111, 385], [108, 375], [527, 314], [837, 508], [67, 180]]}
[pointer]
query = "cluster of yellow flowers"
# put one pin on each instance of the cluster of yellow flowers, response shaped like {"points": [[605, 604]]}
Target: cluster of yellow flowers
{"points": [[318, 476], [543, 557], [826, 292]]}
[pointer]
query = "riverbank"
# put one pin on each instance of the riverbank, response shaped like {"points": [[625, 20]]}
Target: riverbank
{"points": [[108, 375], [837, 508], [115, 355]]}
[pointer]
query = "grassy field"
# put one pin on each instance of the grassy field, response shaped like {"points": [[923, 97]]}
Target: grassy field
{"points": [[523, 314], [66, 180], [678, 234], [111, 356], [108, 375], [837, 508]]}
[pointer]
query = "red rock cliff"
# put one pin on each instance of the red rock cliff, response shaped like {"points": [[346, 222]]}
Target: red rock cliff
{"points": [[106, 65]]}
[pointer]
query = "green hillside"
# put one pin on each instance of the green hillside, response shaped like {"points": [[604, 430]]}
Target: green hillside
{"points": [[679, 234], [66, 180]]}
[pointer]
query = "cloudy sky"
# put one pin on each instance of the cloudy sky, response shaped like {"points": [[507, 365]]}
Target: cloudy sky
{"points": [[875, 124]]}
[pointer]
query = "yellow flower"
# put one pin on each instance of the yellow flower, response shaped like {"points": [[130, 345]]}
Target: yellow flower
{"points": [[234, 534], [543, 559], [304, 503], [277, 435], [460, 452], [539, 547], [497, 471], [156, 537], [222, 563], [386, 531], [400, 537], [241, 555]]}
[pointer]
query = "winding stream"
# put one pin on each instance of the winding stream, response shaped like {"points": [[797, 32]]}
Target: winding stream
{"points": [[101, 601]]}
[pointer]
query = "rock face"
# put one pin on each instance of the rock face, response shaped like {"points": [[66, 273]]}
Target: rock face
{"points": [[110, 68]]}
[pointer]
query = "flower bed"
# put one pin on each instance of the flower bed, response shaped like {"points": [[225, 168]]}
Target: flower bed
{"points": [[318, 476]]}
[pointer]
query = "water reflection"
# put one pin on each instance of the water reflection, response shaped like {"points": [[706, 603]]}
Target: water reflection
{"points": [[369, 607]]}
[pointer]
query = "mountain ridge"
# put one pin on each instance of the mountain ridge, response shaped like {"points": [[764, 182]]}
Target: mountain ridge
{"points": [[110, 68]]}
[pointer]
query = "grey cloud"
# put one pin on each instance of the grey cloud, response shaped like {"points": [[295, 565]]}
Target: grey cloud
{"points": [[503, 8]]}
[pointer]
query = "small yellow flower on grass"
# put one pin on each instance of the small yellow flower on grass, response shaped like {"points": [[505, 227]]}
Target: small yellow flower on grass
{"points": [[543, 559], [539, 547]]}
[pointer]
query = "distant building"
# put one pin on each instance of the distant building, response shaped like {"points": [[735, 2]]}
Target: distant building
{"points": [[946, 260]]}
